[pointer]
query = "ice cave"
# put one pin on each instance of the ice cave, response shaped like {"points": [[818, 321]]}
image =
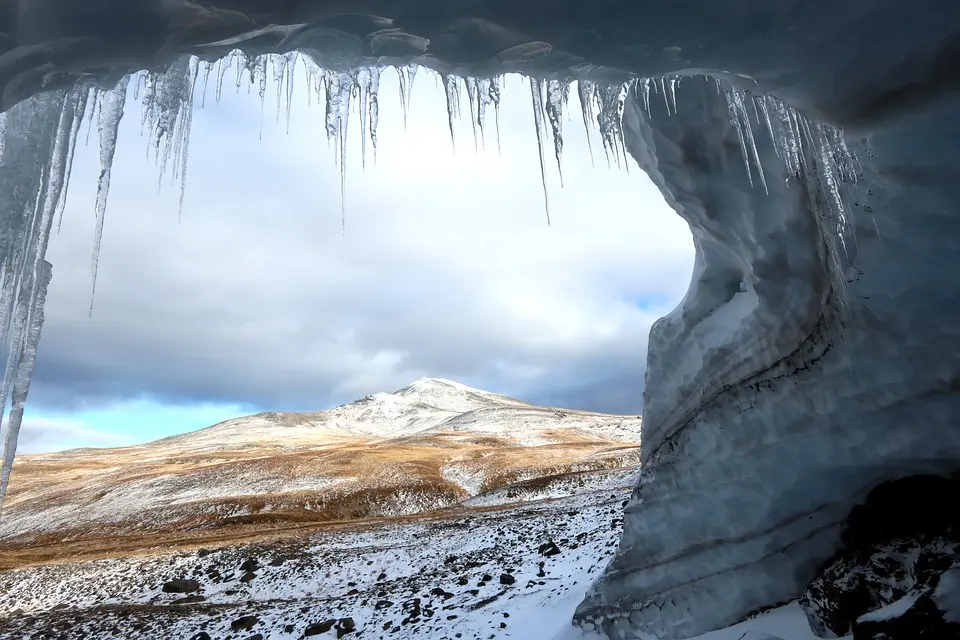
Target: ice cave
{"points": [[812, 147]]}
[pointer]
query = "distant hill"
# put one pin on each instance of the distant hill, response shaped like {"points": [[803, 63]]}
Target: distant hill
{"points": [[435, 444]]}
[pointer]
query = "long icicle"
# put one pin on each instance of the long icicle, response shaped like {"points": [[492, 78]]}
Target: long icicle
{"points": [[537, 96], [111, 111]]}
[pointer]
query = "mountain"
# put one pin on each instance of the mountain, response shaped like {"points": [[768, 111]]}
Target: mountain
{"points": [[435, 444]]}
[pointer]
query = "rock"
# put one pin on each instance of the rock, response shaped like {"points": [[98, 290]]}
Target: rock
{"points": [[256, 636], [202, 635], [317, 628], [244, 623], [345, 626], [181, 586], [203, 553], [289, 628], [188, 600], [897, 545], [506, 578], [250, 564], [248, 576], [549, 549]]}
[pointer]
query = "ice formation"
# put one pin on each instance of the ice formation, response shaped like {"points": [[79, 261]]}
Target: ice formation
{"points": [[816, 353]]}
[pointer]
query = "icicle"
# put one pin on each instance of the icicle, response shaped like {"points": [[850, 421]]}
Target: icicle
{"points": [[747, 130], [279, 74], [36, 145], [483, 101], [734, 115], [373, 109], [407, 75], [450, 88], [663, 92], [94, 102], [291, 66], [609, 118], [223, 66], [535, 93], [558, 93], [111, 111], [368, 84], [672, 89], [207, 68], [495, 101], [258, 73], [81, 97], [472, 98], [339, 87], [586, 91]]}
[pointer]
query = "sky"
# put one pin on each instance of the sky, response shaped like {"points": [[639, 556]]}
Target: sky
{"points": [[258, 300]]}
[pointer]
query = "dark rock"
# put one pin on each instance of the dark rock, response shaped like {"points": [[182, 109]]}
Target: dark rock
{"points": [[549, 549], [897, 544], [244, 623], [317, 628], [248, 576], [188, 600], [382, 604], [345, 626], [202, 635], [181, 586], [250, 564], [288, 628], [256, 636], [276, 562], [506, 578], [203, 553]]}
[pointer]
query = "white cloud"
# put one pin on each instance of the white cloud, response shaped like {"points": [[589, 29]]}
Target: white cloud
{"points": [[447, 266]]}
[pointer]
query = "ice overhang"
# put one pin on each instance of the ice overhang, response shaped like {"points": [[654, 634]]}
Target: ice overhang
{"points": [[844, 62]]}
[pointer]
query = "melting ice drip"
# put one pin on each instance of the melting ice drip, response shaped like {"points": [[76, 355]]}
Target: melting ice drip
{"points": [[38, 138]]}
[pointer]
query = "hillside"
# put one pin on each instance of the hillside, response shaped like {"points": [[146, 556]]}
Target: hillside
{"points": [[433, 445]]}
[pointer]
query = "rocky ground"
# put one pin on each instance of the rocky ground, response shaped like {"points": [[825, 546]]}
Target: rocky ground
{"points": [[494, 573]]}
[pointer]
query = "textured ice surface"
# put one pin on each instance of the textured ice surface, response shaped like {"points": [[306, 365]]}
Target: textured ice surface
{"points": [[775, 400]]}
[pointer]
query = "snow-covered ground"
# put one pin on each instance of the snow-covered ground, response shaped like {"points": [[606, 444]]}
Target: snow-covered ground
{"points": [[515, 572]]}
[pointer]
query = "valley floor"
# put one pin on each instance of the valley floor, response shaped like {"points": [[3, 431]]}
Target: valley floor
{"points": [[512, 572]]}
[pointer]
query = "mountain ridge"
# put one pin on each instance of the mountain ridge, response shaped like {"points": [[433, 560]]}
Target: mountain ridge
{"points": [[430, 446]]}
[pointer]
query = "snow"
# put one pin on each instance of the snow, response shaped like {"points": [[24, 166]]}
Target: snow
{"points": [[892, 610], [371, 574], [947, 594]]}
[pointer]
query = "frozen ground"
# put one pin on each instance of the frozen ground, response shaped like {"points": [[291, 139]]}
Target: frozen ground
{"points": [[515, 572]]}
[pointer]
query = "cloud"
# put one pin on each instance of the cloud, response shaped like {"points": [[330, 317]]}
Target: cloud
{"points": [[447, 266], [42, 435]]}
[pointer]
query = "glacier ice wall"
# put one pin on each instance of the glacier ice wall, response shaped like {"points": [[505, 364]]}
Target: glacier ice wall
{"points": [[776, 394]]}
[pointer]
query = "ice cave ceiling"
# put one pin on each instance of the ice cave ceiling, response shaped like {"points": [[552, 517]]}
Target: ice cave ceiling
{"points": [[847, 62], [817, 352]]}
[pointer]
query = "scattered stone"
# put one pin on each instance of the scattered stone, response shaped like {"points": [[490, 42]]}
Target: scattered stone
{"points": [[250, 564], [248, 576], [202, 635], [549, 549], [188, 600], [181, 586], [244, 623], [317, 628], [506, 578]]}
